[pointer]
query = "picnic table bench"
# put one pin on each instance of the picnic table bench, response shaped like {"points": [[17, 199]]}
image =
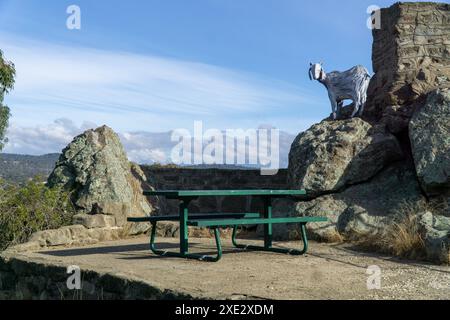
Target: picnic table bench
{"points": [[215, 221]]}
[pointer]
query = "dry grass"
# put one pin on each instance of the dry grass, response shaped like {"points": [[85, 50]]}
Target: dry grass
{"points": [[402, 238]]}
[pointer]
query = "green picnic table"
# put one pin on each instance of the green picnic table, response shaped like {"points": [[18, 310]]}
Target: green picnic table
{"points": [[215, 221]]}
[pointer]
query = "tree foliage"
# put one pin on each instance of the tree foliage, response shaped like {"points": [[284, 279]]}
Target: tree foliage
{"points": [[31, 208], [7, 79]]}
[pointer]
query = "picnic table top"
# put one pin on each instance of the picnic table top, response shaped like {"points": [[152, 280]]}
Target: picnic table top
{"points": [[214, 193]]}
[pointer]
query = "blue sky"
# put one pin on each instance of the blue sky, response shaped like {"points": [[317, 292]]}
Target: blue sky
{"points": [[159, 65]]}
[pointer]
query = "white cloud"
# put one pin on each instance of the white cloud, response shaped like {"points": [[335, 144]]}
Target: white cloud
{"points": [[42, 139], [141, 147], [127, 90]]}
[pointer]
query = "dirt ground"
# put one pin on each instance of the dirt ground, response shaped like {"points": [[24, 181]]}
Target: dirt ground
{"points": [[326, 272]]}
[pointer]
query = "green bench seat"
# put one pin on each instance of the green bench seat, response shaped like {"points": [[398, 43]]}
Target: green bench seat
{"points": [[196, 216], [263, 221], [250, 221]]}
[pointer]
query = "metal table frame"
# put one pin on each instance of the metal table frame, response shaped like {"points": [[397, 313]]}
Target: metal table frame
{"points": [[217, 221]]}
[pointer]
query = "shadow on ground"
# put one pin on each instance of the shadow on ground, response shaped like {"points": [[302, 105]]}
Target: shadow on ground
{"points": [[104, 250], [138, 248]]}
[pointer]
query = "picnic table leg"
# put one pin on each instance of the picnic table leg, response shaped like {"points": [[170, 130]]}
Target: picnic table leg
{"points": [[184, 242], [268, 237], [304, 238], [153, 248], [152, 241], [195, 256], [272, 249], [209, 258]]}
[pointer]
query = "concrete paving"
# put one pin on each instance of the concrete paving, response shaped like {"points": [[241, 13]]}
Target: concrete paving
{"points": [[326, 272]]}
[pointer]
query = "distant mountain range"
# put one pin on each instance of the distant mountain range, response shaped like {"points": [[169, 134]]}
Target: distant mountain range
{"points": [[20, 168]]}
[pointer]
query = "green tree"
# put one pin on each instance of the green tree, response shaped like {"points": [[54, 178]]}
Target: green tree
{"points": [[7, 78]]}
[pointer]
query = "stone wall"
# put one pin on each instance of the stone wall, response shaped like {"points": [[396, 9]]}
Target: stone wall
{"points": [[23, 279], [411, 54], [215, 179]]}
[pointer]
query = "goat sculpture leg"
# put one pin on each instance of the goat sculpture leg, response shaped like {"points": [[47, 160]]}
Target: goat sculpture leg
{"points": [[357, 102], [334, 105], [363, 104], [355, 111], [339, 108]]}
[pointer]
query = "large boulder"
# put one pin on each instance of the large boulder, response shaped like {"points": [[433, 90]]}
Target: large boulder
{"points": [[429, 132], [95, 168], [334, 154], [364, 209]]}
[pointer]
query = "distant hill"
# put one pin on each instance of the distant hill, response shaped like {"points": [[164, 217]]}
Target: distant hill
{"points": [[20, 168]]}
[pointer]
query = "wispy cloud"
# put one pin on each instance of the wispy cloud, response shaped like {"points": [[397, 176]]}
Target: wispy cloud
{"points": [[117, 87]]}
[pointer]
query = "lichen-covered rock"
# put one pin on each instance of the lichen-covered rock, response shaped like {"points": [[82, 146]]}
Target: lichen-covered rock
{"points": [[95, 168], [435, 231], [334, 154], [429, 132], [363, 209]]}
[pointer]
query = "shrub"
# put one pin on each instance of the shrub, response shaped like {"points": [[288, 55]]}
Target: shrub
{"points": [[30, 208], [402, 236]]}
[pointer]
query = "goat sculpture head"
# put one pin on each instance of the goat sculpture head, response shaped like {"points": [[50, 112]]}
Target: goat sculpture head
{"points": [[316, 71]]}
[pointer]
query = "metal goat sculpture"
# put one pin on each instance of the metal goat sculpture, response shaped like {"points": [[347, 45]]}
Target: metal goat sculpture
{"points": [[351, 84]]}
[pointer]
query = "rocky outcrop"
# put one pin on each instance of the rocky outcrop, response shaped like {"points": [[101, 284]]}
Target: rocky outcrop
{"points": [[364, 174], [106, 188], [334, 154], [410, 57], [429, 131]]}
